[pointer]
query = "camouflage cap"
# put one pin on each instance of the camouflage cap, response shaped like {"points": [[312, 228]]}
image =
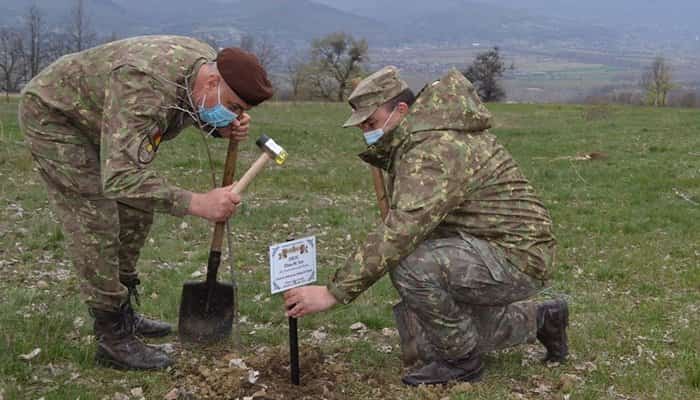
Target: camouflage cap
{"points": [[372, 92]]}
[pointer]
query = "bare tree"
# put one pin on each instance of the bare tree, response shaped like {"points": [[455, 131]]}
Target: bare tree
{"points": [[12, 61], [56, 45], [656, 82], [340, 57], [319, 84], [486, 73], [82, 35], [263, 48], [35, 28], [296, 74]]}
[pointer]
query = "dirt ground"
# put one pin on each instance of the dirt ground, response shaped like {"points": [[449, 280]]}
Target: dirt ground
{"points": [[264, 375]]}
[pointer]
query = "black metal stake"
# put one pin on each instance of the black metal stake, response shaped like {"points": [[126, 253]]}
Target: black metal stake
{"points": [[294, 350]]}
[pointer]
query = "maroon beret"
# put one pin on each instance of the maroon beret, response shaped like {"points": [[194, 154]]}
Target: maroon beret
{"points": [[244, 74]]}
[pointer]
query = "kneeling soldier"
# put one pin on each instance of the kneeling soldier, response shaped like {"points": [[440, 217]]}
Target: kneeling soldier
{"points": [[466, 240]]}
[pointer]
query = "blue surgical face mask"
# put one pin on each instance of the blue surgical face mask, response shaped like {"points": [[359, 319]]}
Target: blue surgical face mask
{"points": [[217, 116], [373, 136]]}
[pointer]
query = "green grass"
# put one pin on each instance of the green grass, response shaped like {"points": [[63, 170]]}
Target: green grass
{"points": [[629, 250]]}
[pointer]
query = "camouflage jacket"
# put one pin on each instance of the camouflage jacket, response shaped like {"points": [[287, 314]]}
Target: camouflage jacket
{"points": [[447, 177], [124, 98]]}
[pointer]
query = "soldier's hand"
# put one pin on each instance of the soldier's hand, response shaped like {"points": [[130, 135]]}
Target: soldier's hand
{"points": [[216, 205], [238, 129], [308, 300]]}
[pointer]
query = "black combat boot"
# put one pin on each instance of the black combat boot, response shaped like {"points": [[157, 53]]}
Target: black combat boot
{"points": [[118, 346], [143, 326], [441, 372], [552, 320]]}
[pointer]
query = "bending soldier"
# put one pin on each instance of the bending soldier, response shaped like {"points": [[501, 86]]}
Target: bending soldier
{"points": [[94, 122]]}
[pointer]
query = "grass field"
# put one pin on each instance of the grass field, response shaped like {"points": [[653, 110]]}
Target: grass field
{"points": [[626, 220]]}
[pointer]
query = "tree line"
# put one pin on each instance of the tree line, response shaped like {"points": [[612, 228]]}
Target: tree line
{"points": [[656, 87], [326, 71], [30, 46], [335, 63]]}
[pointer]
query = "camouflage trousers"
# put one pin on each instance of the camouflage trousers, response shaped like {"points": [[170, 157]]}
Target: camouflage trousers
{"points": [[460, 296], [104, 236]]}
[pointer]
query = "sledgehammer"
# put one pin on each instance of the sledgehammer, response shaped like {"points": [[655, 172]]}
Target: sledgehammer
{"points": [[207, 308]]}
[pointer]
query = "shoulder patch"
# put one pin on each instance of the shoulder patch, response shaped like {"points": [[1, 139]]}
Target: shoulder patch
{"points": [[149, 147]]}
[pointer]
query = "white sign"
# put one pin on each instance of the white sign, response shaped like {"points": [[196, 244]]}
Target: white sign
{"points": [[292, 264]]}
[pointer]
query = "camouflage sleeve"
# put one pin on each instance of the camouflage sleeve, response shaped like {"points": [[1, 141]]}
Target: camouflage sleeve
{"points": [[133, 122], [429, 182]]}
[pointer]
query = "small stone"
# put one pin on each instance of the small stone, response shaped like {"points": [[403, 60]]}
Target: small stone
{"points": [[137, 392], [184, 226], [237, 363], [253, 376], [319, 335], [30, 355], [78, 322], [196, 274], [358, 326], [42, 285], [384, 348], [120, 396]]}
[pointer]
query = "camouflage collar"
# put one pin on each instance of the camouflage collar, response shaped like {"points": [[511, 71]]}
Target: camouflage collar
{"points": [[381, 153]]}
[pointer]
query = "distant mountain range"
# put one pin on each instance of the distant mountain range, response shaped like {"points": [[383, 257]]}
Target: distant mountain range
{"points": [[284, 21], [670, 14], [293, 23]]}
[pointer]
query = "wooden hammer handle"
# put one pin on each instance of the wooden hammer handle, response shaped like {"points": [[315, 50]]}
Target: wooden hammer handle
{"points": [[229, 172], [382, 200], [257, 166]]}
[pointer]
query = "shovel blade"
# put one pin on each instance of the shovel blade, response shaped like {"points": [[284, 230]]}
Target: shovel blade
{"points": [[205, 323]]}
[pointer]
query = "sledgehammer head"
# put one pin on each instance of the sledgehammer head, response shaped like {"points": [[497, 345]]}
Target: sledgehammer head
{"points": [[275, 151]]}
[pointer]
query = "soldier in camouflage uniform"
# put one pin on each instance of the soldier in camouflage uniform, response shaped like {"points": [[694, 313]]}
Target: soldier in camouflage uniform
{"points": [[94, 122], [466, 240]]}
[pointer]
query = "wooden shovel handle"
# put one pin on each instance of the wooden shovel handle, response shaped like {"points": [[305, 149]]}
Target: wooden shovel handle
{"points": [[382, 200], [229, 172]]}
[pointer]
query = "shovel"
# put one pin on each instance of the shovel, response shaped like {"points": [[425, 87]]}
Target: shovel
{"points": [[207, 308]]}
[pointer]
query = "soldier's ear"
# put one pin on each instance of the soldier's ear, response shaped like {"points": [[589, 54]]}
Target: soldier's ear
{"points": [[402, 108], [212, 80]]}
